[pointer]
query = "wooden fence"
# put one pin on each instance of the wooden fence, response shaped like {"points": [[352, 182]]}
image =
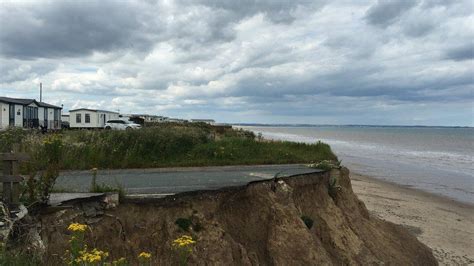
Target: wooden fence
{"points": [[10, 178]]}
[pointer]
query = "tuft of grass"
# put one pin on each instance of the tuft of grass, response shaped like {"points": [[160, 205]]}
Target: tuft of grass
{"points": [[307, 221], [8, 257], [104, 188]]}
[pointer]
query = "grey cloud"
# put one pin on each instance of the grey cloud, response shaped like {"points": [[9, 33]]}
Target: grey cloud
{"points": [[384, 13], [185, 57], [70, 29], [419, 28], [15, 70], [461, 53], [277, 11], [435, 3]]}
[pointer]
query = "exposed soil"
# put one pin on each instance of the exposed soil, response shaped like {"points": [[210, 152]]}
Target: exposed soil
{"points": [[256, 224]]}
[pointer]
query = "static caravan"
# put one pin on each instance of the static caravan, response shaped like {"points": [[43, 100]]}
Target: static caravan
{"points": [[90, 118], [65, 118], [28, 113], [207, 121]]}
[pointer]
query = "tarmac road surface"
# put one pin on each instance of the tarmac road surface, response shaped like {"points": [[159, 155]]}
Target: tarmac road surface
{"points": [[163, 181]]}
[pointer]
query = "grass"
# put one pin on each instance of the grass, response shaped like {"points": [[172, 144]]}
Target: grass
{"points": [[166, 145], [104, 188]]}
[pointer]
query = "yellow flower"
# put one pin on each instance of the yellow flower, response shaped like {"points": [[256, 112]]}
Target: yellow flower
{"points": [[144, 255], [77, 227], [183, 241], [92, 257]]}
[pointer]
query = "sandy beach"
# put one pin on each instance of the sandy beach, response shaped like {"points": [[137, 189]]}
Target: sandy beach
{"points": [[446, 226]]}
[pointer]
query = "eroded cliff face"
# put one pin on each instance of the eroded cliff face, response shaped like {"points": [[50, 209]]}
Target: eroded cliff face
{"points": [[257, 224]]}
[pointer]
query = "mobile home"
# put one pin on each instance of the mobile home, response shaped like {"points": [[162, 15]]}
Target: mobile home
{"points": [[90, 118], [28, 113], [206, 121]]}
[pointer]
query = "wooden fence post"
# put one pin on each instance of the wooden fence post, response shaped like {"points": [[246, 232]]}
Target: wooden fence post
{"points": [[11, 178]]}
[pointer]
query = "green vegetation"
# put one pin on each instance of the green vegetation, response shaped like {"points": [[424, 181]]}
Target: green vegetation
{"points": [[8, 258], [166, 145], [183, 223], [333, 187], [307, 221]]}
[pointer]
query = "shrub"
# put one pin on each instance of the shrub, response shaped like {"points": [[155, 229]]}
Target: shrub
{"points": [[183, 223]]}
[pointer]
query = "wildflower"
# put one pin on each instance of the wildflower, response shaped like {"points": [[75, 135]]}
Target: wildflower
{"points": [[94, 256], [183, 241], [183, 246], [77, 227]]}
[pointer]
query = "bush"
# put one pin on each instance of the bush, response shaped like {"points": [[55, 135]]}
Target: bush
{"points": [[183, 223]]}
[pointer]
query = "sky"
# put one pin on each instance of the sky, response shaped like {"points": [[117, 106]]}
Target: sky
{"points": [[398, 62]]}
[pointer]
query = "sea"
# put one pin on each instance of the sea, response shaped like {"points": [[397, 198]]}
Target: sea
{"points": [[438, 160]]}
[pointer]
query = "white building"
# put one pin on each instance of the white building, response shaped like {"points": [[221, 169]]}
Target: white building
{"points": [[175, 120], [90, 118], [65, 118], [28, 113], [149, 118]]}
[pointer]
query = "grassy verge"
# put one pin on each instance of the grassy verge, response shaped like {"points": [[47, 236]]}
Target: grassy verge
{"points": [[166, 145]]}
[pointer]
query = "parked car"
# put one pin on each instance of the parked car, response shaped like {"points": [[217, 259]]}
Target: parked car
{"points": [[121, 125]]}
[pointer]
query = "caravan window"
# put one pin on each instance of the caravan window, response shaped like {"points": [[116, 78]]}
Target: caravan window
{"points": [[78, 118], [88, 118]]}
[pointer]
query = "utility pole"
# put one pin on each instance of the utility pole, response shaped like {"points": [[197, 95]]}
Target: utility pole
{"points": [[41, 92]]}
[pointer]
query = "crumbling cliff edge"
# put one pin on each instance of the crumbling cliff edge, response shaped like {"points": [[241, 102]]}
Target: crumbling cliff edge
{"points": [[256, 224]]}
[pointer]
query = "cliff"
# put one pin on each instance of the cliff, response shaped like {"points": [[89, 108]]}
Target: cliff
{"points": [[256, 224]]}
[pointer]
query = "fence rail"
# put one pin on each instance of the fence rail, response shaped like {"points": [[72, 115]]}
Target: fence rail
{"points": [[10, 178]]}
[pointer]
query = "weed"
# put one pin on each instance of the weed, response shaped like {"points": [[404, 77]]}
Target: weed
{"points": [[8, 258], [104, 188]]}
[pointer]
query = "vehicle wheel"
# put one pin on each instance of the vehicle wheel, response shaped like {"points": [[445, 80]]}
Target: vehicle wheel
{"points": [[128, 128], [108, 128]]}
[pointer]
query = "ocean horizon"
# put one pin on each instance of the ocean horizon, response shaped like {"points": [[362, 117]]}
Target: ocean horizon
{"points": [[435, 159]]}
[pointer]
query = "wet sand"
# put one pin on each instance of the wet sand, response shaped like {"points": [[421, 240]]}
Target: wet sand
{"points": [[445, 225]]}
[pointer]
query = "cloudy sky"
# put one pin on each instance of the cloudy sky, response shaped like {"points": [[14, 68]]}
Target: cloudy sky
{"points": [[323, 62]]}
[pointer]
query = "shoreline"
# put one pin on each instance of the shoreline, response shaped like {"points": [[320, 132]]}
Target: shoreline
{"points": [[443, 224]]}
